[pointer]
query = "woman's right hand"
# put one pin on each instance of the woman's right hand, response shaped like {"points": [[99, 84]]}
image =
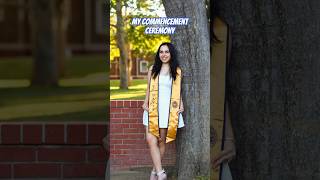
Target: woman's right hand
{"points": [[226, 155], [145, 107]]}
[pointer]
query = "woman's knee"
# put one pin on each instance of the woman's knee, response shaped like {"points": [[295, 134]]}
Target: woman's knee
{"points": [[151, 140]]}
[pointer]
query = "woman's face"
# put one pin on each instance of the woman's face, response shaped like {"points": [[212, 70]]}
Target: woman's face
{"points": [[164, 54]]}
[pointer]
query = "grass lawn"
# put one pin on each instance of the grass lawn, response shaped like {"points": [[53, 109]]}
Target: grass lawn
{"points": [[137, 90], [82, 95], [75, 66]]}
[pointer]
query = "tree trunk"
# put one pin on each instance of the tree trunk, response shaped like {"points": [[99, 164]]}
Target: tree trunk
{"points": [[122, 47], [45, 67], [274, 87], [61, 25], [192, 44], [129, 64]]}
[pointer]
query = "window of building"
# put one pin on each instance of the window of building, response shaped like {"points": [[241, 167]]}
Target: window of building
{"points": [[144, 66]]}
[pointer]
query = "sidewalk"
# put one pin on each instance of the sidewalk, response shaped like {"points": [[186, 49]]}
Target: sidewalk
{"points": [[129, 175], [139, 174]]}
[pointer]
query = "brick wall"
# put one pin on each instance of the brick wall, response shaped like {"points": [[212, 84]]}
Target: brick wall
{"points": [[52, 150], [128, 147]]}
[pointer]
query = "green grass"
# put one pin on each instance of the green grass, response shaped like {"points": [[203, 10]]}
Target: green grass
{"points": [[136, 91], [87, 103], [82, 94], [75, 66]]}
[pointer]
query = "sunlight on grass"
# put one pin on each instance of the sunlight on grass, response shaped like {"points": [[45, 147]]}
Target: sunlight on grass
{"points": [[47, 109], [89, 80], [136, 91], [8, 83]]}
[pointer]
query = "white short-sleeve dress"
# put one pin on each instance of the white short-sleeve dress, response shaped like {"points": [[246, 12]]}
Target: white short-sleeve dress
{"points": [[165, 82]]}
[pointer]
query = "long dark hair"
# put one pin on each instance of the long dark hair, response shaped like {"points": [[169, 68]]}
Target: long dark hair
{"points": [[174, 64]]}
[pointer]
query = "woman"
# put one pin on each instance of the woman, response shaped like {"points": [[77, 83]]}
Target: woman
{"points": [[162, 105], [223, 149]]}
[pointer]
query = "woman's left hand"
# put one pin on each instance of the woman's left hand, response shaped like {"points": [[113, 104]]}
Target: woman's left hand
{"points": [[226, 155], [181, 109]]}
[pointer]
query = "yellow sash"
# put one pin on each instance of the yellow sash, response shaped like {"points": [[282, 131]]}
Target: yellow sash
{"points": [[174, 107]]}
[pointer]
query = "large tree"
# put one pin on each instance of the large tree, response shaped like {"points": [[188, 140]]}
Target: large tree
{"points": [[192, 43], [127, 39], [123, 46], [48, 20], [45, 70], [274, 87]]}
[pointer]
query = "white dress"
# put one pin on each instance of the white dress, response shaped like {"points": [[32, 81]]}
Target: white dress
{"points": [[165, 82], [226, 173]]}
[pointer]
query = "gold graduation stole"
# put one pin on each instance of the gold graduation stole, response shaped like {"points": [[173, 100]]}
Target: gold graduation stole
{"points": [[218, 104], [174, 107]]}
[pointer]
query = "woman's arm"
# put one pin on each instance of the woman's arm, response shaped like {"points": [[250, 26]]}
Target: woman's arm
{"points": [[229, 130], [229, 149], [145, 105]]}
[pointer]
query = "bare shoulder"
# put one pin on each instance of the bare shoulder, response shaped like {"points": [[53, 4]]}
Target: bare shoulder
{"points": [[179, 70], [150, 68]]}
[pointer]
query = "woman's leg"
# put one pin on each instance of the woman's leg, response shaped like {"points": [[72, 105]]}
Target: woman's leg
{"points": [[154, 150], [162, 147], [162, 144]]}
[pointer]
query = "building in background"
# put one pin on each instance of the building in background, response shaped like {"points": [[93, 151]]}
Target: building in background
{"points": [[139, 68], [87, 27]]}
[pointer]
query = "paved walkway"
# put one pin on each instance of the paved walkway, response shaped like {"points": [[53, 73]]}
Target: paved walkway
{"points": [[138, 174], [129, 175]]}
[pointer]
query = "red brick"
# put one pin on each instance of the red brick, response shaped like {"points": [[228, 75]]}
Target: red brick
{"points": [[62, 154], [123, 157], [140, 111], [36, 170], [84, 170], [134, 141], [97, 154], [126, 103], [131, 121], [12, 154], [116, 131], [129, 110], [125, 146], [54, 134], [137, 126], [119, 126], [115, 110], [120, 115], [116, 152], [115, 141], [96, 133], [76, 134], [136, 115], [133, 130], [115, 120], [118, 136], [113, 104], [32, 134], [133, 104], [119, 103], [10, 134], [140, 103], [5, 171]]}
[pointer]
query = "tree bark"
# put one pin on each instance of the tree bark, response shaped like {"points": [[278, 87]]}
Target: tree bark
{"points": [[192, 44], [122, 46], [61, 26], [274, 87], [45, 72]]}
